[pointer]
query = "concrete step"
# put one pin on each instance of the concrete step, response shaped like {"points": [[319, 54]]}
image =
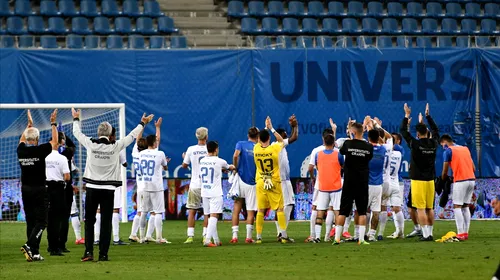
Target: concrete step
{"points": [[216, 40], [202, 25], [188, 7], [210, 31], [200, 19], [195, 14]]}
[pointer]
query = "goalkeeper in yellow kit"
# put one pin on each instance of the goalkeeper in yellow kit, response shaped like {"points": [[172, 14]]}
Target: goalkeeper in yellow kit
{"points": [[269, 192]]}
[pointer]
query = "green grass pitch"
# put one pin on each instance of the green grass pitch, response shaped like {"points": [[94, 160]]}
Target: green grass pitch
{"points": [[476, 258]]}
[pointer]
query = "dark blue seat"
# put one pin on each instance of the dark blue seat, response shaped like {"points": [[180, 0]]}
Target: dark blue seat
{"points": [[152, 9], [291, 26], [4, 9], [74, 41], [489, 26], [350, 26], [88, 8], [263, 42], [454, 10], [429, 26], [434, 9], [410, 26], [463, 42], [304, 42], [330, 26], [336, 9], [102, 26], [144, 25], [404, 42], [449, 26], [346, 42], [178, 42], [49, 42], [123, 25], [67, 8], [256, 8], [390, 26], [355, 9], [444, 42], [249, 25], [47, 8], [236, 9], [310, 25], [23, 8], [424, 42], [492, 10], [80, 25], [473, 10], [7, 41], [315, 9], [92, 42], [395, 9], [114, 42], [275, 8], [270, 25], [157, 42], [283, 42], [469, 26], [415, 9], [36, 25], [131, 8], [370, 26], [376, 9], [364, 41], [26, 41], [483, 41], [136, 42], [324, 42], [166, 25], [295, 8], [57, 26], [110, 8]]}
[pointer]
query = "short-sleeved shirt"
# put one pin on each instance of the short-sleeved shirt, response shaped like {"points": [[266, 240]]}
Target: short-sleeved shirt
{"points": [[151, 167], [358, 154], [193, 156], [461, 163], [284, 163], [312, 161], [267, 161], [329, 164], [395, 163], [376, 165], [211, 176], [56, 165], [388, 150], [246, 163], [32, 162]]}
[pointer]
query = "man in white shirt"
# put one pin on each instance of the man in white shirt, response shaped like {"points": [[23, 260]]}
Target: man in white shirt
{"points": [[57, 173], [192, 157]]}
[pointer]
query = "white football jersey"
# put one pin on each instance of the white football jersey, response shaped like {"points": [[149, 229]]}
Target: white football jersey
{"points": [[210, 170], [284, 163], [151, 168], [394, 165], [56, 165], [388, 150], [137, 168], [193, 156]]}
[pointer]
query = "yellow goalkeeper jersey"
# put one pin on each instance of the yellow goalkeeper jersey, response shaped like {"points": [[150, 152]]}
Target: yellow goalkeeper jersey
{"points": [[267, 161]]}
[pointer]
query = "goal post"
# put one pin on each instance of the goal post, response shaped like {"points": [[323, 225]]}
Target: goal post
{"points": [[13, 118]]}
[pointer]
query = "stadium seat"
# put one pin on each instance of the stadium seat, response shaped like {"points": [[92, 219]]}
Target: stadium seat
{"points": [[47, 8], [429, 26], [57, 26], [4, 9], [410, 26], [370, 26], [102, 26], [152, 9], [92, 42], [26, 41], [434, 9], [403, 42], [449, 26], [263, 42], [483, 41], [444, 42], [156, 42], [270, 25], [415, 9], [336, 9], [283, 42], [7, 41], [36, 25], [424, 42], [256, 8], [376, 9], [463, 42], [178, 42], [23, 8], [88, 8], [346, 42], [249, 25], [390, 26], [74, 41], [473, 10], [144, 25], [131, 8], [384, 42], [350, 25], [236, 9], [497, 41], [469, 26], [275, 8], [395, 9], [114, 42], [355, 9], [492, 10], [123, 25], [15, 26], [324, 42], [454, 10], [295, 8], [330, 26], [49, 42], [489, 26], [67, 8], [315, 9], [364, 41], [136, 42], [310, 25], [166, 25], [80, 25], [304, 42], [291, 26], [110, 8]]}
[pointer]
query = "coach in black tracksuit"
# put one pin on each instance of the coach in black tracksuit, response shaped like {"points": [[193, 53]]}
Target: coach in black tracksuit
{"points": [[68, 152]]}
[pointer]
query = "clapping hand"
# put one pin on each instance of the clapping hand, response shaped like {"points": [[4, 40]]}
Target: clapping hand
{"points": [[146, 119], [407, 110], [53, 117], [427, 111], [76, 113], [30, 119], [158, 122], [292, 120]]}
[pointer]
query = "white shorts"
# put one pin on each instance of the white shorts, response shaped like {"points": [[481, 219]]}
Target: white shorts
{"points": [[328, 199], [117, 204], [151, 202], [248, 193], [462, 192], [374, 197], [194, 199], [288, 195], [315, 197], [212, 205], [74, 209], [391, 194]]}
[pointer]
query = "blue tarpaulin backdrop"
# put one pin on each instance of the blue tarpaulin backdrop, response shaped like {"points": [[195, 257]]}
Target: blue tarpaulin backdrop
{"points": [[230, 90]]}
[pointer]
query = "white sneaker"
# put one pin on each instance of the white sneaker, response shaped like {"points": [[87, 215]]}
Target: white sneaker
{"points": [[150, 239], [38, 258], [133, 238], [163, 241], [328, 239], [372, 238], [396, 235]]}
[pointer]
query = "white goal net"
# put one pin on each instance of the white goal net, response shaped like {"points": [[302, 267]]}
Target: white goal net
{"points": [[13, 121]]}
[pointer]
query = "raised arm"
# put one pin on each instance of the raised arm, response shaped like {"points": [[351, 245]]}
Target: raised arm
{"points": [[158, 130], [70, 146], [378, 124], [82, 139], [30, 124], [135, 132], [236, 155], [334, 128], [295, 129], [432, 124], [404, 127], [269, 125]]}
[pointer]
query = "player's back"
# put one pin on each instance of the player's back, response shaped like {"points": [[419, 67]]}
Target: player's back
{"points": [[193, 156], [267, 162], [388, 150], [151, 166], [376, 165], [211, 175], [460, 162], [396, 158], [136, 162], [246, 163], [284, 163]]}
